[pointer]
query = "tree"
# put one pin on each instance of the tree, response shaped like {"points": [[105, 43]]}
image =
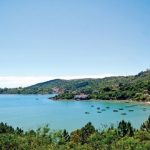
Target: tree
{"points": [[146, 125], [82, 135], [125, 128], [148, 87], [66, 136]]}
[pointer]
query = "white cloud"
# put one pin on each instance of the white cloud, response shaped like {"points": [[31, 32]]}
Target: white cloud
{"points": [[23, 81], [14, 81]]}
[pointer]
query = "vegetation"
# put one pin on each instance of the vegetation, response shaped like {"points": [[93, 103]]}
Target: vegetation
{"points": [[124, 137], [111, 88]]}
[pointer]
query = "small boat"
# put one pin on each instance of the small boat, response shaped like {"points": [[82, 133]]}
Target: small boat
{"points": [[120, 108], [98, 108], [130, 110], [87, 112], [103, 109], [115, 110], [131, 106], [99, 112], [123, 114], [107, 107]]}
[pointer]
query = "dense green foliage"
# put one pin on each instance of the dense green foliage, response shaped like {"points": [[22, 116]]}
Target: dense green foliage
{"points": [[111, 88], [124, 137]]}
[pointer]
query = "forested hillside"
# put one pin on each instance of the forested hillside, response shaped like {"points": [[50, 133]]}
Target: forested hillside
{"points": [[122, 87]]}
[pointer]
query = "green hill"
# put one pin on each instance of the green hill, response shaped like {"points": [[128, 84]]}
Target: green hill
{"points": [[122, 87]]}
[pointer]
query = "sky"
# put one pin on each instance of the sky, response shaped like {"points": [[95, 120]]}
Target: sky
{"points": [[48, 39]]}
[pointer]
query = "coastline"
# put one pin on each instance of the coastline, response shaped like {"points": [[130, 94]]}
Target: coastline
{"points": [[119, 101]]}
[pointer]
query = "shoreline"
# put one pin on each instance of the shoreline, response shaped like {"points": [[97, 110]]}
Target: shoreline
{"points": [[119, 101]]}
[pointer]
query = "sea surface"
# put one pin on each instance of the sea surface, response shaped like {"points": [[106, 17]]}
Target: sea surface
{"points": [[34, 111]]}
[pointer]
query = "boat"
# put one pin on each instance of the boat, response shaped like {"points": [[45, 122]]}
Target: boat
{"points": [[103, 110], [87, 112], [99, 112], [130, 110], [123, 114], [115, 110]]}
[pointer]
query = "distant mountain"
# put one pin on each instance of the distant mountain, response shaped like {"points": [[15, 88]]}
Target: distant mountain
{"points": [[122, 87]]}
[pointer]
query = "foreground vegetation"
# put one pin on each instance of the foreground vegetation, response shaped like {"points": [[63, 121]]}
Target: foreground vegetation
{"points": [[111, 88], [124, 137]]}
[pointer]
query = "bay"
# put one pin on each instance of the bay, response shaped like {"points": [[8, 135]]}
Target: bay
{"points": [[33, 111]]}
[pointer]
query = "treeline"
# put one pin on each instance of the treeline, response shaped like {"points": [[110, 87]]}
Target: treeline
{"points": [[123, 137], [27, 90]]}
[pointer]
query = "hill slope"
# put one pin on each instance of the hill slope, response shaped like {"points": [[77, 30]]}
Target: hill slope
{"points": [[122, 87]]}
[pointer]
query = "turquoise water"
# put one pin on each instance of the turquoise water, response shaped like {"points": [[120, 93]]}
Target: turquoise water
{"points": [[33, 111]]}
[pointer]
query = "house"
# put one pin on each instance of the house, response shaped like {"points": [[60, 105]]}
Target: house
{"points": [[81, 97]]}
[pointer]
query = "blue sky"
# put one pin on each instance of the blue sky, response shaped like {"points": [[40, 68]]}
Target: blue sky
{"points": [[73, 38]]}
